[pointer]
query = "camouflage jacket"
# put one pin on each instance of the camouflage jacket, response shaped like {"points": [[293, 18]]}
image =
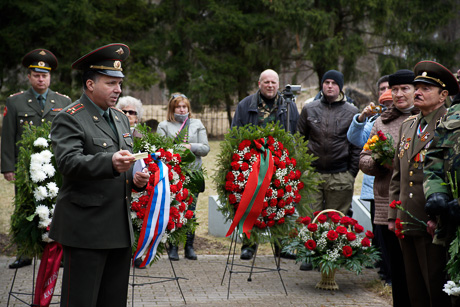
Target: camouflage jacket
{"points": [[443, 157]]}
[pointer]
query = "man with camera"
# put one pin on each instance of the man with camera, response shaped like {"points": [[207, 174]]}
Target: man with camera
{"points": [[265, 106]]}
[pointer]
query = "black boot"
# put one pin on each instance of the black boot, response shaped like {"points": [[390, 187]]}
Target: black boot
{"points": [[189, 252], [172, 252]]}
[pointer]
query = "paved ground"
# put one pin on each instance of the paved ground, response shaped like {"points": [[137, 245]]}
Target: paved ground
{"points": [[203, 285]]}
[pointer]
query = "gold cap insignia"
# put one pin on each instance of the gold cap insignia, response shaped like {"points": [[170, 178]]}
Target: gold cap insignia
{"points": [[120, 51], [117, 64], [424, 74], [42, 52], [95, 118], [41, 63]]}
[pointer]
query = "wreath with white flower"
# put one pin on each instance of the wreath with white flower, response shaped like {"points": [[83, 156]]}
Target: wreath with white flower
{"points": [[37, 183], [183, 186], [292, 181]]}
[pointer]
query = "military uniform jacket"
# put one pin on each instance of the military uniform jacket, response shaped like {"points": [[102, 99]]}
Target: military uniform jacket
{"points": [[444, 154], [93, 204], [22, 108], [407, 180]]}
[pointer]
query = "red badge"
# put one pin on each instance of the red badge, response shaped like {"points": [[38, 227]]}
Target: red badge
{"points": [[5, 111]]}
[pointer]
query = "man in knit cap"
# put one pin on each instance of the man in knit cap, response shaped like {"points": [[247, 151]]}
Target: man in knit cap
{"points": [[324, 123]]}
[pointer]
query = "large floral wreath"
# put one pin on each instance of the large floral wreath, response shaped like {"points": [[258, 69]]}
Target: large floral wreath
{"points": [[37, 183], [183, 185], [292, 177]]}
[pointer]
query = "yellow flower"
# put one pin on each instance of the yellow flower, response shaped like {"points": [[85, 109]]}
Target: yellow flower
{"points": [[375, 138], [366, 147]]}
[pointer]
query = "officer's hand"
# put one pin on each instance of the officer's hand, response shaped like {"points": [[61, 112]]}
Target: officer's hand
{"points": [[122, 160], [9, 176], [454, 212], [141, 178], [437, 204], [431, 227]]}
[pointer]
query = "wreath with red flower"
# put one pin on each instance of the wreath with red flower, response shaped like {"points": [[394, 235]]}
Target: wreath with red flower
{"points": [[332, 241], [179, 161], [287, 193]]}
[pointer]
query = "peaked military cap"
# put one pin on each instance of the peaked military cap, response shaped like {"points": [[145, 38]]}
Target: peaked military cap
{"points": [[106, 60], [435, 74], [40, 60]]}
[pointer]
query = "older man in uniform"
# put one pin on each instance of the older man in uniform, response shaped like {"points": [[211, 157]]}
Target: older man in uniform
{"points": [[35, 106], [92, 144], [424, 261]]}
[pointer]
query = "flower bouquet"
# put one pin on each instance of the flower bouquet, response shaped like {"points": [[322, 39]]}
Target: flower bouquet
{"points": [[382, 148], [37, 183], [331, 241], [263, 180], [182, 178], [400, 226]]}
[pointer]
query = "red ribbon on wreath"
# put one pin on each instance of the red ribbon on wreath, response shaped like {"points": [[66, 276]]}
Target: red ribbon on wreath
{"points": [[48, 273], [251, 203]]}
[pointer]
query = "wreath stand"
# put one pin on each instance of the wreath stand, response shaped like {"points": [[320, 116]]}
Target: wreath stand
{"points": [[18, 295], [229, 266], [159, 279]]}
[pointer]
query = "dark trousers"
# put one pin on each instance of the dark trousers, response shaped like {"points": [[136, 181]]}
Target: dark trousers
{"points": [[95, 277], [425, 264], [398, 274]]}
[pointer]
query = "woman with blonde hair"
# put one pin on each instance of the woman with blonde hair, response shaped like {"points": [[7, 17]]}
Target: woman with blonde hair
{"points": [[179, 118]]}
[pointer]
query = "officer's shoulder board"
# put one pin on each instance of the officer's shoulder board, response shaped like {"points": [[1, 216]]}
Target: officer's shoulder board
{"points": [[117, 109], [62, 95], [412, 117], [75, 109], [15, 94]]}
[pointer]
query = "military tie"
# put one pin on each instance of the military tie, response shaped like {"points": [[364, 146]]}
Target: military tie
{"points": [[109, 121], [41, 101]]}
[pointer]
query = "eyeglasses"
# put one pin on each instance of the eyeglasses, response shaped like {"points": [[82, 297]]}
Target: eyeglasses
{"points": [[130, 112]]}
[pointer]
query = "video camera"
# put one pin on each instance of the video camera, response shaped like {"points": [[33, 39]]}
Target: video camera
{"points": [[288, 92]]}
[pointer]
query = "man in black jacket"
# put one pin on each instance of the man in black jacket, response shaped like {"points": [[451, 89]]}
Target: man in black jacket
{"points": [[324, 123]]}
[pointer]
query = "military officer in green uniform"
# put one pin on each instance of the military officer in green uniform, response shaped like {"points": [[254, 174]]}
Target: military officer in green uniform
{"points": [[424, 261], [35, 106], [93, 148]]}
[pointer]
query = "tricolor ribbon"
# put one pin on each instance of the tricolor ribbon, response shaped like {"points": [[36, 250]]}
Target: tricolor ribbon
{"points": [[157, 214], [48, 273], [251, 204]]}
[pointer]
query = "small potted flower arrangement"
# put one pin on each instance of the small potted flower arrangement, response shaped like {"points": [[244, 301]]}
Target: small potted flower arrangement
{"points": [[332, 241]]}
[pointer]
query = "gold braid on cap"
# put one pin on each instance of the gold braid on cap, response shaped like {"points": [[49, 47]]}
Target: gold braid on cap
{"points": [[105, 67], [41, 67], [424, 75]]}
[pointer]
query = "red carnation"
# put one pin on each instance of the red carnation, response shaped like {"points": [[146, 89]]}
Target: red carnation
{"points": [[310, 244], [280, 193], [347, 251], [244, 166], [269, 193], [332, 235], [241, 178], [232, 198], [235, 166], [292, 175], [393, 204], [271, 223], [281, 203], [189, 214], [281, 220], [288, 188], [277, 183], [273, 202], [293, 162], [272, 216], [247, 156], [235, 157], [230, 176], [365, 242], [170, 225]]}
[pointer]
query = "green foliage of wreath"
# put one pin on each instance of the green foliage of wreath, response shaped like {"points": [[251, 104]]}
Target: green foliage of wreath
{"points": [[297, 147], [24, 225]]}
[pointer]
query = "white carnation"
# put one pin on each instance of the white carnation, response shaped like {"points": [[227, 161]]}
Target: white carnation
{"points": [[37, 175], [40, 193], [42, 211], [41, 142], [49, 169], [44, 223], [46, 156], [46, 238], [52, 189]]}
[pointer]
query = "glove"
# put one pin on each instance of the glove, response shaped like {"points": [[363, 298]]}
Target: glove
{"points": [[454, 212], [437, 204]]}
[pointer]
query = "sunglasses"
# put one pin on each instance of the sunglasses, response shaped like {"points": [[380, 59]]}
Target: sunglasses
{"points": [[178, 95], [130, 112]]}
